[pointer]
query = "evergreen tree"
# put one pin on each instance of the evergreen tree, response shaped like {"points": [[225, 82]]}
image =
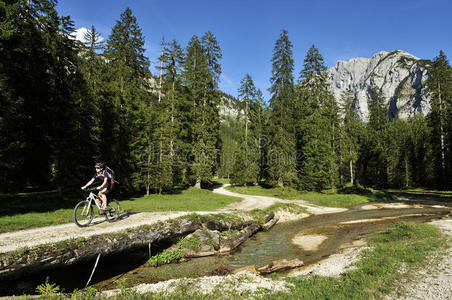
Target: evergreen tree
{"points": [[398, 154], [317, 115], [41, 92], [164, 170], [94, 112], [259, 114], [230, 133], [373, 157], [421, 153], [351, 130], [246, 166], [199, 78], [439, 86], [281, 152], [128, 68]]}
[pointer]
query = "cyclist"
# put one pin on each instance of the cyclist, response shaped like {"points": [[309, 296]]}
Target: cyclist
{"points": [[105, 187]]}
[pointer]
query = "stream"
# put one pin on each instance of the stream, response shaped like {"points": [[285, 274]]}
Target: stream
{"points": [[309, 239], [326, 235]]}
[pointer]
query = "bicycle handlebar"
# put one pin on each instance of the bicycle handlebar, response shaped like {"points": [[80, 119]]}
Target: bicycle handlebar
{"points": [[90, 189]]}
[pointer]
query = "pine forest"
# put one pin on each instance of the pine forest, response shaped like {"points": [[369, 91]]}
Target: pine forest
{"points": [[66, 105]]}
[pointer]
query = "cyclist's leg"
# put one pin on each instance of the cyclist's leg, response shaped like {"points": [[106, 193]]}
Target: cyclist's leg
{"points": [[103, 196]]}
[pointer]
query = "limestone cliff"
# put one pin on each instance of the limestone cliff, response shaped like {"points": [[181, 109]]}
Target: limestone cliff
{"points": [[400, 76]]}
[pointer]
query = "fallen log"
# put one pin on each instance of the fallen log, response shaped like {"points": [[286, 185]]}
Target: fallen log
{"points": [[280, 265]]}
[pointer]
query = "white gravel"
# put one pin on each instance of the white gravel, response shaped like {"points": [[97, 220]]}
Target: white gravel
{"points": [[241, 283], [334, 265]]}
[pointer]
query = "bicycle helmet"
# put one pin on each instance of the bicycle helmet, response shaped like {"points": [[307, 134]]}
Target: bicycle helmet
{"points": [[99, 165]]}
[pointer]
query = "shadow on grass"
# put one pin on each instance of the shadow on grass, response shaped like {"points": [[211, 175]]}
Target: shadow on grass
{"points": [[423, 196], [21, 203], [39, 202]]}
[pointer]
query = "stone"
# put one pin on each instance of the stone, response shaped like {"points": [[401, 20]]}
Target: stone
{"points": [[400, 76]]}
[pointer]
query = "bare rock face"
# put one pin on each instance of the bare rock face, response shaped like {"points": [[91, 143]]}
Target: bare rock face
{"points": [[399, 75]]}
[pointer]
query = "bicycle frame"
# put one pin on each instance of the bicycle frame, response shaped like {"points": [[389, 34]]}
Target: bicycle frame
{"points": [[83, 211], [92, 197]]}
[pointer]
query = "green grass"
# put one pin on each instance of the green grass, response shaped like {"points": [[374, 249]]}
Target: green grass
{"points": [[187, 200], [191, 199], [328, 199], [221, 180], [438, 195], [402, 245]]}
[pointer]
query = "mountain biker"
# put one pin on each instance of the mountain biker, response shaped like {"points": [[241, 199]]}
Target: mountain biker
{"points": [[105, 187]]}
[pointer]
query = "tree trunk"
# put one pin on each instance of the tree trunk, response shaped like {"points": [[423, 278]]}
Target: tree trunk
{"points": [[351, 171], [443, 156], [198, 183]]}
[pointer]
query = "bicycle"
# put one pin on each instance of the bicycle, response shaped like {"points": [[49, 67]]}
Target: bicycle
{"points": [[84, 212]]}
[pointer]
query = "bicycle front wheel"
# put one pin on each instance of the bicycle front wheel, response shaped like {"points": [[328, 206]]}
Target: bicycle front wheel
{"points": [[83, 214], [113, 210]]}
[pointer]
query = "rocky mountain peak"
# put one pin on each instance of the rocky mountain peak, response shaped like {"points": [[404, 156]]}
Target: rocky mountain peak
{"points": [[399, 75]]}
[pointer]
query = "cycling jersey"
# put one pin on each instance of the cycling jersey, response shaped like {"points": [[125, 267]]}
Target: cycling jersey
{"points": [[102, 177]]}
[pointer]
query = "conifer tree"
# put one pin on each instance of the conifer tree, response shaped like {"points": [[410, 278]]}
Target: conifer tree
{"points": [[439, 86], [259, 114], [281, 152], [421, 153], [200, 79], [128, 68], [317, 115], [351, 130], [373, 158], [95, 108], [41, 91], [246, 166], [164, 167], [398, 154]]}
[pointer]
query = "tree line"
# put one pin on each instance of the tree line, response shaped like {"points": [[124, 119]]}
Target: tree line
{"points": [[67, 104], [308, 140]]}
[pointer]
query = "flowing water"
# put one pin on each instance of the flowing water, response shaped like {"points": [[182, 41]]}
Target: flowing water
{"points": [[310, 240]]}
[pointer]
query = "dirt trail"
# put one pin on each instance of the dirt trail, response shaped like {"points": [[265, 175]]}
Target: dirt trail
{"points": [[250, 202], [53, 234]]}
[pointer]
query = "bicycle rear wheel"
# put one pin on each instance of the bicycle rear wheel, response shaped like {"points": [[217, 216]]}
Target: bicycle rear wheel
{"points": [[113, 210], [83, 214]]}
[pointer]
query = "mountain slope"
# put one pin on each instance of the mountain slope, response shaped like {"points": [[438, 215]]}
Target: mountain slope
{"points": [[399, 75]]}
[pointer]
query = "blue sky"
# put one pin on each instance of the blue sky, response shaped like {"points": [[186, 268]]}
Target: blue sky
{"points": [[247, 29]]}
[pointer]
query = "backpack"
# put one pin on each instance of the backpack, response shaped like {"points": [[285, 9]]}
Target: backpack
{"points": [[111, 175]]}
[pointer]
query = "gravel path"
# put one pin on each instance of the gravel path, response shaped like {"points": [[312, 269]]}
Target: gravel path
{"points": [[251, 202], [52, 234]]}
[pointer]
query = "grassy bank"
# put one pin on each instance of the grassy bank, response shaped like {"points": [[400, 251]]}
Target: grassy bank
{"points": [[330, 199], [187, 200], [403, 245]]}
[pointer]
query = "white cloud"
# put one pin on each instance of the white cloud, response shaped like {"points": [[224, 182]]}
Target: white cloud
{"points": [[79, 35]]}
